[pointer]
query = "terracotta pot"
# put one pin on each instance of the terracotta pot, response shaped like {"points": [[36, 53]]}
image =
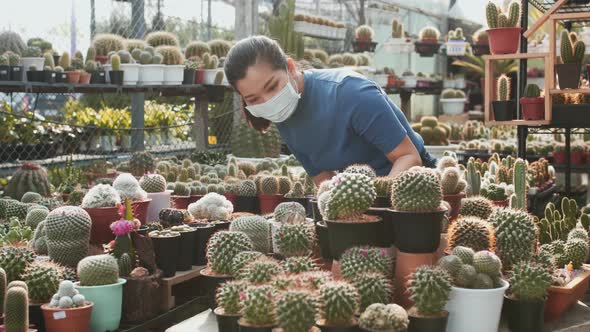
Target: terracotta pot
{"points": [[199, 76], [533, 108], [504, 40], [560, 299], [503, 203], [194, 198], [405, 265], [102, 59], [180, 202], [455, 203], [231, 197], [559, 157], [73, 77], [100, 233], [85, 78], [71, 320], [578, 157], [140, 210], [210, 283], [268, 203]]}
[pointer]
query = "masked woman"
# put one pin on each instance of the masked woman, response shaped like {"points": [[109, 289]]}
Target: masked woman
{"points": [[329, 119]]}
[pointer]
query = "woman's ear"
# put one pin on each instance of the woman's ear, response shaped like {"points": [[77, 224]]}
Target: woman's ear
{"points": [[291, 65]]}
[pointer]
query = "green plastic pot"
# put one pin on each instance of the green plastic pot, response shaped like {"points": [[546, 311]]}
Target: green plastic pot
{"points": [[108, 300]]}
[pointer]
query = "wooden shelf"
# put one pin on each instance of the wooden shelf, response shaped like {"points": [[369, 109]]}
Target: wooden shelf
{"points": [[571, 16], [515, 56], [557, 91], [178, 278], [519, 123]]}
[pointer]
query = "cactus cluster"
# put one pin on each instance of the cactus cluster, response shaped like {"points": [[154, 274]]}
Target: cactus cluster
{"points": [[257, 229], [67, 297], [30, 177], [452, 94], [430, 287], [397, 29], [380, 317], [515, 235], [98, 270], [42, 279], [572, 48], [222, 247], [452, 182], [496, 18], [480, 270], [259, 305], [296, 310], [456, 35], [212, 206], [14, 260], [129, 188], [416, 190], [432, 131], [470, 232]]}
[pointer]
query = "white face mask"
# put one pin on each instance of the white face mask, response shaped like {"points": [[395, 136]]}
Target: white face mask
{"points": [[280, 107]]}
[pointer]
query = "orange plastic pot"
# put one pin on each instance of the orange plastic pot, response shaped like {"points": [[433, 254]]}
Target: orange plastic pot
{"points": [[180, 202], [560, 299], [85, 78], [405, 265], [268, 203], [71, 320], [504, 40]]}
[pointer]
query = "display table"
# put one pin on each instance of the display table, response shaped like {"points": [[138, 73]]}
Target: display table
{"points": [[577, 319]]}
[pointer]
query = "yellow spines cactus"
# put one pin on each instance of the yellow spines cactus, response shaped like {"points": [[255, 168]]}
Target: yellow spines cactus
{"points": [[397, 29], [171, 55], [364, 32], [503, 88], [429, 34], [106, 43], [64, 61], [162, 38]]}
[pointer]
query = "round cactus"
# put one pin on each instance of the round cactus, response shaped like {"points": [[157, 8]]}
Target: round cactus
{"points": [[106, 43], [464, 253], [171, 55], [364, 32], [451, 264], [339, 301], [294, 239], [287, 212], [153, 183], [228, 296], [285, 185], [430, 287], [477, 206], [380, 317], [258, 230], [576, 251], [296, 311], [247, 188], [372, 288], [529, 281], [261, 271], [299, 264], [242, 259], [470, 232], [482, 281], [98, 270], [451, 181], [416, 190], [222, 247], [361, 169], [67, 229], [259, 305], [358, 260], [578, 233], [465, 276], [35, 216], [515, 235], [31, 197], [159, 38], [487, 262], [351, 195], [269, 185]]}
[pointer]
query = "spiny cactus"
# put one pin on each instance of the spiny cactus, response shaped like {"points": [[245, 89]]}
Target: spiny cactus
{"points": [[430, 287], [416, 190], [219, 47], [477, 206], [346, 203], [383, 186], [259, 305], [498, 19], [153, 183], [576, 251], [397, 29], [339, 301], [519, 198], [529, 281], [361, 169], [258, 230], [572, 48], [11, 41], [451, 264], [364, 32], [296, 310], [98, 270], [287, 212], [487, 262], [222, 247], [380, 317], [247, 188], [515, 235], [159, 38], [106, 43], [35, 216], [294, 239], [68, 231], [470, 232], [532, 91], [16, 312], [429, 33], [171, 55], [14, 260], [372, 288], [30, 177], [503, 88], [269, 185], [451, 181], [101, 195], [473, 178], [42, 280], [228, 296], [299, 264], [358, 260], [196, 49], [242, 259]]}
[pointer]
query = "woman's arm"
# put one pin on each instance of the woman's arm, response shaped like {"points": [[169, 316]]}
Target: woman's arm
{"points": [[323, 176], [403, 157]]}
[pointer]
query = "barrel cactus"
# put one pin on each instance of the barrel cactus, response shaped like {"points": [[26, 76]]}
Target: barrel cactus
{"points": [[68, 233], [35, 216], [242, 259], [529, 281], [515, 235], [107, 43], [247, 188], [416, 190], [259, 305], [31, 197], [299, 264], [261, 271], [364, 32], [430, 287], [372, 288], [351, 195], [222, 247], [470, 232], [477, 206], [296, 310], [30, 177], [464, 253], [294, 239], [361, 169], [286, 212], [487, 262], [98, 270], [258, 230], [339, 301], [153, 183], [101, 195], [358, 260], [451, 264], [159, 38], [380, 317], [576, 251], [228, 296]]}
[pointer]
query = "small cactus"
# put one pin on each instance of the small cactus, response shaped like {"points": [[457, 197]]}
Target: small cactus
{"points": [[430, 287], [339, 301], [503, 88]]}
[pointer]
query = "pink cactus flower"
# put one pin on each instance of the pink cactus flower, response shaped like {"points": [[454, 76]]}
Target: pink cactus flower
{"points": [[121, 227]]}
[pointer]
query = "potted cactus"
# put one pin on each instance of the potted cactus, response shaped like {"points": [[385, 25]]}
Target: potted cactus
{"points": [[559, 157], [173, 60], [167, 249], [247, 199], [525, 302], [430, 287], [428, 44], [495, 193], [533, 105], [48, 69], [210, 64], [268, 195], [578, 153], [33, 75], [572, 55], [66, 63], [383, 191], [339, 301], [453, 184], [190, 67], [16, 69], [4, 68], [503, 28], [155, 187], [32, 56], [229, 305], [453, 101], [481, 44], [16, 310], [222, 247], [105, 44], [101, 285], [456, 44], [101, 203], [68, 309], [416, 197], [383, 317], [344, 214], [127, 65], [504, 108], [363, 41], [477, 292], [151, 71], [259, 309], [296, 310], [94, 68], [60, 75]]}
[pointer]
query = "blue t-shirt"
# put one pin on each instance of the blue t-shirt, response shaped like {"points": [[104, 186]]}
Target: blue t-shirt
{"points": [[341, 119]]}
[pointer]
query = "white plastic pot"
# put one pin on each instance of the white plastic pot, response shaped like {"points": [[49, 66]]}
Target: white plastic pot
{"points": [[456, 47], [475, 309], [410, 81], [209, 76], [159, 201], [380, 79], [131, 73], [151, 74], [173, 74], [453, 106], [438, 151]]}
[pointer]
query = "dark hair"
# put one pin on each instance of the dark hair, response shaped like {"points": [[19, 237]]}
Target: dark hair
{"points": [[246, 53]]}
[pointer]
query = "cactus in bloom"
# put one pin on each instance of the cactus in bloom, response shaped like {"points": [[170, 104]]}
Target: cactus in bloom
{"points": [[259, 305], [359, 260], [518, 199], [228, 296], [470, 232], [515, 234], [503, 88], [529, 281], [98, 270], [222, 247], [286, 212], [296, 310], [430, 287], [416, 190], [16, 312], [477, 206], [258, 230], [294, 239], [299, 264], [372, 288], [339, 301], [380, 317]]}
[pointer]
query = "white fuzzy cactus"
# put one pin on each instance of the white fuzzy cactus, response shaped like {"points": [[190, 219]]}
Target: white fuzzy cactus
{"points": [[128, 187], [212, 207], [101, 195], [65, 302], [67, 297]]}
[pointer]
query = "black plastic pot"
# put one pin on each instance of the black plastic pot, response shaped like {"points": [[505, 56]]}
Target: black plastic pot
{"points": [[116, 77], [303, 201], [386, 234], [189, 76], [204, 232], [524, 316], [480, 49], [187, 248], [248, 328], [337, 328], [56, 59], [568, 75], [33, 76], [166, 249], [221, 225], [143, 230], [61, 77], [226, 323], [426, 49], [16, 73], [321, 229], [210, 284], [316, 215], [415, 232], [98, 77], [48, 76], [382, 202], [359, 46], [424, 324], [36, 317], [4, 73], [344, 235], [504, 110], [247, 204]]}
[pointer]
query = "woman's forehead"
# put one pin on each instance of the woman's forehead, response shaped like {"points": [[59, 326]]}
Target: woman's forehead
{"points": [[256, 76]]}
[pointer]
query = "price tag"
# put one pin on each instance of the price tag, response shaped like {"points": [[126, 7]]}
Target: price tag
{"points": [[59, 315]]}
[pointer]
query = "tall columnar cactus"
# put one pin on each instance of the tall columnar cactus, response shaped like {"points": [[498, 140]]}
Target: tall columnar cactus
{"points": [[16, 313], [3, 282], [294, 239], [339, 301], [372, 288], [416, 190], [296, 310], [258, 230], [14, 260], [515, 234], [222, 247], [358, 260], [259, 305], [68, 232], [519, 198], [384, 317], [29, 177], [477, 206], [498, 19], [470, 232], [430, 287], [572, 48], [529, 281], [43, 280], [281, 29], [98, 270], [503, 88]]}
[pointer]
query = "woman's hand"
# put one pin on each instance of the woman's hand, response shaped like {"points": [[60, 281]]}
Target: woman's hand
{"points": [[403, 157]]}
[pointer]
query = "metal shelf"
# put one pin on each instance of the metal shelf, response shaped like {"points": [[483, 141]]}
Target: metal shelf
{"points": [[544, 5]]}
